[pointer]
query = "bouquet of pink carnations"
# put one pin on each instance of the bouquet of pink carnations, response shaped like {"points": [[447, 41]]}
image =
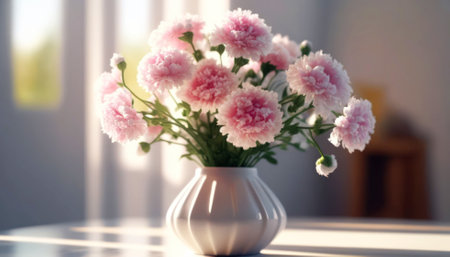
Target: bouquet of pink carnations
{"points": [[240, 93]]}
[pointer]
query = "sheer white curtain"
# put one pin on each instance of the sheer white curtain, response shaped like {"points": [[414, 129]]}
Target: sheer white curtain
{"points": [[119, 182]]}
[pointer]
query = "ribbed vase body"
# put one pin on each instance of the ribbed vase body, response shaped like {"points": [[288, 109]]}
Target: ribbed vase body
{"points": [[226, 211]]}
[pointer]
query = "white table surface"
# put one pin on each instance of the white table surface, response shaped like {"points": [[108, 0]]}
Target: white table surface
{"points": [[302, 237]]}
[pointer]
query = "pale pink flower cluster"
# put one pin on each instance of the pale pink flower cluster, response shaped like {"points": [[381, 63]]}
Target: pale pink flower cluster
{"points": [[283, 53], [244, 34], [353, 129], [209, 87], [250, 115], [164, 69], [118, 118], [322, 80], [167, 33]]}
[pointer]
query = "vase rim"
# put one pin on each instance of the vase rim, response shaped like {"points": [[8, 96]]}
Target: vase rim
{"points": [[227, 170]]}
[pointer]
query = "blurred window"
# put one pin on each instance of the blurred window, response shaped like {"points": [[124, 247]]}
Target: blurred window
{"points": [[36, 53], [133, 30]]}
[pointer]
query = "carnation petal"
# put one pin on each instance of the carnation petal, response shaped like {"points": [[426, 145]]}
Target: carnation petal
{"points": [[244, 34], [118, 118], [209, 87], [250, 115], [354, 128], [322, 80], [164, 69]]}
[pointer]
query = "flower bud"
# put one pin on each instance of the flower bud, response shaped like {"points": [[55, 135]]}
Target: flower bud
{"points": [[305, 47], [117, 62], [326, 164]]}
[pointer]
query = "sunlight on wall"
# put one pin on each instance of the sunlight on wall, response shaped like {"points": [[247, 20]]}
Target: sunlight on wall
{"points": [[36, 36], [93, 138], [133, 29], [213, 11]]}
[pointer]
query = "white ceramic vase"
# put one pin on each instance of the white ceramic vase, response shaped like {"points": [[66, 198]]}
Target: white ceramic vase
{"points": [[226, 211]]}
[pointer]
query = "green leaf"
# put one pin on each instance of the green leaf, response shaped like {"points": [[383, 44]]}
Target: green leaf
{"points": [[270, 159], [238, 63], [196, 115], [298, 102], [188, 36], [198, 55], [317, 125], [297, 146], [285, 93], [187, 156], [250, 74], [267, 67], [145, 146], [220, 49], [337, 114], [185, 107], [160, 107]]}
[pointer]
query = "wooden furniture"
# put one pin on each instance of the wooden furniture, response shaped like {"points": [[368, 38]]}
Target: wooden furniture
{"points": [[303, 237], [388, 179]]}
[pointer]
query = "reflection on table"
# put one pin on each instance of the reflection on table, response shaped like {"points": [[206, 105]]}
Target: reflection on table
{"points": [[302, 237]]}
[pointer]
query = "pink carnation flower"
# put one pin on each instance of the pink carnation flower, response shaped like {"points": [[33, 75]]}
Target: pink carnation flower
{"points": [[278, 56], [167, 33], [283, 53], [118, 118], [209, 87], [107, 84], [250, 115], [164, 69], [244, 34], [291, 46], [353, 129], [322, 80]]}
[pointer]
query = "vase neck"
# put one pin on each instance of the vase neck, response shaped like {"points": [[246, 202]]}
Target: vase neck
{"points": [[227, 171]]}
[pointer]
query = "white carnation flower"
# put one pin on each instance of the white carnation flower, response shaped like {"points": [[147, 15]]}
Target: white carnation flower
{"points": [[326, 164]]}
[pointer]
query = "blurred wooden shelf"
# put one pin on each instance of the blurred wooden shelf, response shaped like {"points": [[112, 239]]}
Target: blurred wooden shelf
{"points": [[388, 179]]}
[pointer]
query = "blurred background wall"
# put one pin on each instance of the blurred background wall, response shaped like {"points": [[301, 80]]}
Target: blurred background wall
{"points": [[55, 165]]}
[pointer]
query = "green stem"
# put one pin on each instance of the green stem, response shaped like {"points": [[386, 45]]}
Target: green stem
{"points": [[297, 114], [178, 124], [287, 99], [315, 144], [197, 139], [208, 115], [323, 125], [171, 142]]}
